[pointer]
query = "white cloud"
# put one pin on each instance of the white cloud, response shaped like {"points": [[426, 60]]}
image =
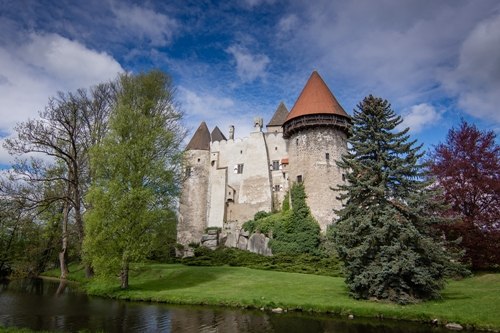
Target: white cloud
{"points": [[420, 117], [216, 111], [249, 66], [287, 22], [40, 66], [286, 25], [145, 23], [476, 78], [206, 106], [66, 61], [389, 48]]}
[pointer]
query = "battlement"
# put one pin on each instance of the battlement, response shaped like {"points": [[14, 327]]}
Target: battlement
{"points": [[237, 177]]}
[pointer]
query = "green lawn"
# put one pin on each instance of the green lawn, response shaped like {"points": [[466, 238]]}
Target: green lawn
{"points": [[474, 302]]}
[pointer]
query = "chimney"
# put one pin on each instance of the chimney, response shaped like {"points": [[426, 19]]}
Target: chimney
{"points": [[231, 132]]}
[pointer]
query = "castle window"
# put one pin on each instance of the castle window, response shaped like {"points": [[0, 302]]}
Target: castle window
{"points": [[199, 160], [299, 179], [276, 148], [297, 142], [277, 188], [327, 156], [239, 168], [241, 151], [213, 163], [343, 177], [188, 171], [276, 165]]}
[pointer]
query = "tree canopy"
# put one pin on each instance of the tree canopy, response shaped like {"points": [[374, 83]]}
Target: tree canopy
{"points": [[384, 233], [52, 166], [467, 167], [136, 168]]}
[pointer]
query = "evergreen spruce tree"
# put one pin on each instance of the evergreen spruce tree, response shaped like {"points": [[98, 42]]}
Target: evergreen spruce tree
{"points": [[385, 234]]}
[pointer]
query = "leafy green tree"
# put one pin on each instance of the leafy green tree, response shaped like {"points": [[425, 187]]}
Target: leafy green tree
{"points": [[64, 132], [384, 234], [135, 181], [299, 233]]}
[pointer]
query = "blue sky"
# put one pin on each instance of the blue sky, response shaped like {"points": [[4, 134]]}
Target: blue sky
{"points": [[435, 61]]}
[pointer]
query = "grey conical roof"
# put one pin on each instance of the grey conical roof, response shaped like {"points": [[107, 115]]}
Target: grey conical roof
{"points": [[200, 139], [217, 135], [279, 116]]}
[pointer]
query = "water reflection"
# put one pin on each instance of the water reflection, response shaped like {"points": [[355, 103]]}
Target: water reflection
{"points": [[50, 305]]}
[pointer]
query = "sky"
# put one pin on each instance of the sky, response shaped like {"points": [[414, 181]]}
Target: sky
{"points": [[436, 62]]}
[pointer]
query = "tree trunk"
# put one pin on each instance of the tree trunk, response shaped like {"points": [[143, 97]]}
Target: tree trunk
{"points": [[63, 254], [124, 275], [61, 287], [89, 271]]}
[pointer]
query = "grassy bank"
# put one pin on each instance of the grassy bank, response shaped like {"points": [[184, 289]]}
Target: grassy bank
{"points": [[473, 302]]}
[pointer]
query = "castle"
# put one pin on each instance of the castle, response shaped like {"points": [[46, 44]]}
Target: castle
{"points": [[228, 180]]}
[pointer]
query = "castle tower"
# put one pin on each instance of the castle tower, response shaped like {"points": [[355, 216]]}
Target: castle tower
{"points": [[316, 129], [193, 200]]}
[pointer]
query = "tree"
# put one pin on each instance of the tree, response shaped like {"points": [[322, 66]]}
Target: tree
{"points": [[28, 236], [467, 168], [298, 232], [136, 175], [384, 233], [68, 126]]}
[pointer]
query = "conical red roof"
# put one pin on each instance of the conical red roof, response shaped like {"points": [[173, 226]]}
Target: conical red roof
{"points": [[316, 98]]}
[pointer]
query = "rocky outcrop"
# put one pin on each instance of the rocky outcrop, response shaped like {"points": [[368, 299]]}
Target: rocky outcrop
{"points": [[233, 236], [454, 327], [210, 239], [259, 243]]}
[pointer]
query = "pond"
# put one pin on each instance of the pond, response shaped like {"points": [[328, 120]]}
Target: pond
{"points": [[41, 304]]}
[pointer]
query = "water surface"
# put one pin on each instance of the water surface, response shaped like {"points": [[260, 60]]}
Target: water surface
{"points": [[41, 304]]}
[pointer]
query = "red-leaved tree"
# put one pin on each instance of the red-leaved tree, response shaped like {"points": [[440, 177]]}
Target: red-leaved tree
{"points": [[467, 167]]}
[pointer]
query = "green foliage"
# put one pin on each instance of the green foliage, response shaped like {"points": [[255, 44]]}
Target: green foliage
{"points": [[303, 263], [28, 242], [266, 224], [300, 233], [136, 176], [292, 231], [385, 234], [286, 202], [260, 215]]}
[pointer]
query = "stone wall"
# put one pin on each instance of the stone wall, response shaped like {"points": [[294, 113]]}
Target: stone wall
{"points": [[216, 200], [193, 201], [241, 239], [250, 190], [277, 151], [312, 155]]}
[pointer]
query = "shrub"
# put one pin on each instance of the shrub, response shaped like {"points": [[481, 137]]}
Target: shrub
{"points": [[303, 263], [299, 233]]}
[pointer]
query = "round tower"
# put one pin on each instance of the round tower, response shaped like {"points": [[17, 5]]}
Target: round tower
{"points": [[317, 129], [193, 201]]}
